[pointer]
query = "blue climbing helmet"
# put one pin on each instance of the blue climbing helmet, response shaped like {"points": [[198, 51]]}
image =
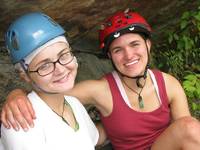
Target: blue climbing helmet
{"points": [[28, 33]]}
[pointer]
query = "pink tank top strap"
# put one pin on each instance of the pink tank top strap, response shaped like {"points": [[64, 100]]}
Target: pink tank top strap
{"points": [[112, 84]]}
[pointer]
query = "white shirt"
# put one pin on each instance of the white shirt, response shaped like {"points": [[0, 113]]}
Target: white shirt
{"points": [[50, 132]]}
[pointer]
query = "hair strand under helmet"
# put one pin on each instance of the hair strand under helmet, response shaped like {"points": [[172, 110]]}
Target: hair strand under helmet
{"points": [[120, 23], [29, 32]]}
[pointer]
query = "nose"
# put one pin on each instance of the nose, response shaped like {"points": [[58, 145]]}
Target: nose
{"points": [[128, 53]]}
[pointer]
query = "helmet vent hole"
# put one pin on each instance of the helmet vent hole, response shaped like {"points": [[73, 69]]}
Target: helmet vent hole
{"points": [[14, 41], [128, 16], [109, 24], [119, 21]]}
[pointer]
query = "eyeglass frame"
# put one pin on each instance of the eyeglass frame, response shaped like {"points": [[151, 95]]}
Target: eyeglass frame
{"points": [[54, 64]]}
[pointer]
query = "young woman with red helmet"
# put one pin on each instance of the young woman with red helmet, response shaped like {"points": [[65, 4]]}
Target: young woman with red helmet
{"points": [[140, 108]]}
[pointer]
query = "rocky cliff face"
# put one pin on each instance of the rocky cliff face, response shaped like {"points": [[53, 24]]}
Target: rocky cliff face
{"points": [[81, 19]]}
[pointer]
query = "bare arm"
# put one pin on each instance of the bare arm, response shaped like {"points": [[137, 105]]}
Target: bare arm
{"points": [[102, 134], [17, 111], [177, 98], [88, 91]]}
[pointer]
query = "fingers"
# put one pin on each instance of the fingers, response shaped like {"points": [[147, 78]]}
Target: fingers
{"points": [[17, 111], [3, 119], [31, 110], [19, 117], [8, 119], [16, 114], [27, 112]]}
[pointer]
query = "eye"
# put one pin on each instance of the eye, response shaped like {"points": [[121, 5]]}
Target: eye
{"points": [[116, 50], [134, 44], [65, 56], [45, 66]]}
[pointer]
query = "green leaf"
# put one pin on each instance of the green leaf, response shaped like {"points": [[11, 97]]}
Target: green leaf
{"points": [[190, 77], [170, 38], [197, 16], [184, 23], [194, 106], [176, 36], [185, 15]]}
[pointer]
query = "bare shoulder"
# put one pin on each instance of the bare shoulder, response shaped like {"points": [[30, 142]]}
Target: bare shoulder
{"points": [[169, 79], [91, 85], [173, 86]]}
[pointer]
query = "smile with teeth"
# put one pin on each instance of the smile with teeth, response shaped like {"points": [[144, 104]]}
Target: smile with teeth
{"points": [[132, 62]]}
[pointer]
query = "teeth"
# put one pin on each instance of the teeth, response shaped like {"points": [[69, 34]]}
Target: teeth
{"points": [[131, 63]]}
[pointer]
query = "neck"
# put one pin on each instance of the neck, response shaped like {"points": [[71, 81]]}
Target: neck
{"points": [[133, 82], [136, 86], [54, 101]]}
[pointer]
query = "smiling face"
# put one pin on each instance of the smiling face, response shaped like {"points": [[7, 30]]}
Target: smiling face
{"points": [[63, 77], [129, 54]]}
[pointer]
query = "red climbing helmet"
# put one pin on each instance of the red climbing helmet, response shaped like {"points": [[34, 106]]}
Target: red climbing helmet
{"points": [[120, 23]]}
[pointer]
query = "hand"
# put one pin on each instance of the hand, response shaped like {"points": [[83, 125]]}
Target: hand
{"points": [[102, 134], [17, 111]]}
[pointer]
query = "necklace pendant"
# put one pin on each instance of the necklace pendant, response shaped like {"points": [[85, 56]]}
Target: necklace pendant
{"points": [[141, 102]]}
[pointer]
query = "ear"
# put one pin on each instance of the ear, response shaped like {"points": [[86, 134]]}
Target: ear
{"points": [[75, 59], [23, 75], [148, 42], [109, 55]]}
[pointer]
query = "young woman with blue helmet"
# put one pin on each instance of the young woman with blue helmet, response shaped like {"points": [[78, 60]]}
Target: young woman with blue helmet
{"points": [[42, 55]]}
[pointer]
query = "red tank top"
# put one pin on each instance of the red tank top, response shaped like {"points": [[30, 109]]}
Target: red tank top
{"points": [[132, 130]]}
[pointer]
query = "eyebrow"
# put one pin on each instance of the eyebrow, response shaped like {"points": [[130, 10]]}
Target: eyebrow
{"points": [[47, 60], [112, 49], [131, 42]]}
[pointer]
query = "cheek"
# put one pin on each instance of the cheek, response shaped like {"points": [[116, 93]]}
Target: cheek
{"points": [[72, 67], [42, 81], [117, 60]]}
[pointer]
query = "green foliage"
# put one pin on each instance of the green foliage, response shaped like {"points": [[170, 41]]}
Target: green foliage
{"points": [[182, 51], [191, 85], [180, 56]]}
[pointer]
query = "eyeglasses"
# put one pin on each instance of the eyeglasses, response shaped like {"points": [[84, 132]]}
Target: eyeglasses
{"points": [[49, 67]]}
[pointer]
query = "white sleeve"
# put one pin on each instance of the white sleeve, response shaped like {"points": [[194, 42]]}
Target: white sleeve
{"points": [[20, 140], [93, 132], [1, 145]]}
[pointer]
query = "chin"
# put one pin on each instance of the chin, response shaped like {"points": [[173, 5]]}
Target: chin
{"points": [[133, 73], [62, 90]]}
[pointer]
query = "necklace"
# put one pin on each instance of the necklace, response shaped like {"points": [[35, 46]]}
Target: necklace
{"points": [[140, 99], [65, 103]]}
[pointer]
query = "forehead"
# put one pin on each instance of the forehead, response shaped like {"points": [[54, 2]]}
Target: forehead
{"points": [[54, 48], [125, 39], [51, 51]]}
